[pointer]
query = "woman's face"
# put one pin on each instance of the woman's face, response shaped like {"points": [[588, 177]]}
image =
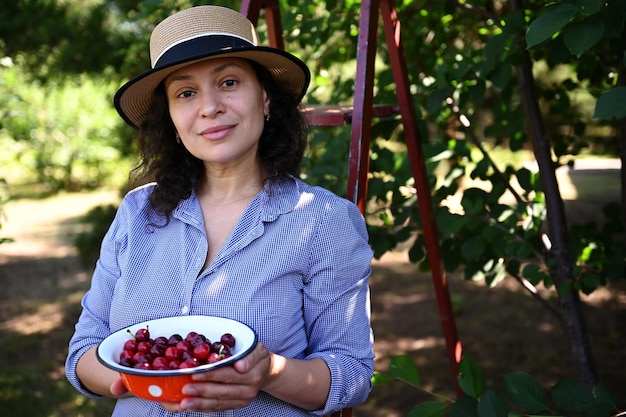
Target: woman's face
{"points": [[218, 108]]}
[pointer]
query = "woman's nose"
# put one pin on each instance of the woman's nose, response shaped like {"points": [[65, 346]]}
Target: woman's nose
{"points": [[210, 104]]}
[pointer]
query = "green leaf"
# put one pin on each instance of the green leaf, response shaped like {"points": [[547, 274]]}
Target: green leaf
{"points": [[514, 22], [589, 282], [495, 275], [436, 100], [611, 104], [493, 50], [533, 273], [525, 178], [579, 37], [380, 378], [470, 378], [429, 409], [473, 200], [604, 403], [501, 76], [417, 252], [550, 21], [473, 248], [513, 266], [492, 405], [403, 368], [589, 7], [602, 394], [476, 92], [449, 224], [464, 407], [482, 167], [525, 392], [572, 395]]}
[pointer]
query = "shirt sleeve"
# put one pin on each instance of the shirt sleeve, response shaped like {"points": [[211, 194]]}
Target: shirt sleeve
{"points": [[337, 305], [93, 324]]}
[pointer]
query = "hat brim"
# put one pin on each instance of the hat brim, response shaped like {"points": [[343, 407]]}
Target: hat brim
{"points": [[134, 99]]}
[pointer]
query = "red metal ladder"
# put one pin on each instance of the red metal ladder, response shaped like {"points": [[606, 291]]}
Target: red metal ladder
{"points": [[360, 116]]}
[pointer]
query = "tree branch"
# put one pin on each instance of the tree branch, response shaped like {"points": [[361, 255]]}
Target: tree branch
{"points": [[532, 290], [472, 135]]}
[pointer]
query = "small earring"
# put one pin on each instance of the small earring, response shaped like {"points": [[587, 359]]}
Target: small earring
{"points": [[177, 138], [267, 118]]}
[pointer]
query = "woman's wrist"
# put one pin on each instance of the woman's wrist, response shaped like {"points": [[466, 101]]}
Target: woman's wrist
{"points": [[277, 366], [303, 383]]}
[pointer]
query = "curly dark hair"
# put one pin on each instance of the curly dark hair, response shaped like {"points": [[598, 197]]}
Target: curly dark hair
{"points": [[177, 172]]}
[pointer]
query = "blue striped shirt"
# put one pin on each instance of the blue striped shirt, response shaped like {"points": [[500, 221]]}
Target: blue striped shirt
{"points": [[295, 268]]}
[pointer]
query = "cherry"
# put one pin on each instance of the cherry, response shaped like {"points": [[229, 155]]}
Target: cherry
{"points": [[161, 340], [126, 354], [131, 344], [143, 365], [201, 351], [144, 347], [190, 336], [173, 352], [213, 357], [127, 362], [183, 346], [142, 335], [141, 357], [189, 363], [197, 339], [160, 363], [228, 340], [158, 349], [220, 348], [224, 350], [173, 339]]}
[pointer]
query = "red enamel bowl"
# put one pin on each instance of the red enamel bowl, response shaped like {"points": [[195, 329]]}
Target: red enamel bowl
{"points": [[166, 385]]}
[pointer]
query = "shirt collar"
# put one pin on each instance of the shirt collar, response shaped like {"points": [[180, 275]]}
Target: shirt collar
{"points": [[279, 195]]}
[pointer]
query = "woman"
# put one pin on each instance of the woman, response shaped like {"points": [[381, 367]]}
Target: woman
{"points": [[228, 229]]}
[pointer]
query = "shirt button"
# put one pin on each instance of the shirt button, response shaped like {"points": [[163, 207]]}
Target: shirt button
{"points": [[185, 309]]}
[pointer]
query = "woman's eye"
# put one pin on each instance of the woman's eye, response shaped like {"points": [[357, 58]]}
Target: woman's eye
{"points": [[185, 94], [229, 83]]}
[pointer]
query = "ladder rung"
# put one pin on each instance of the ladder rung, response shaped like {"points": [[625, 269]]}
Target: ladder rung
{"points": [[317, 115]]}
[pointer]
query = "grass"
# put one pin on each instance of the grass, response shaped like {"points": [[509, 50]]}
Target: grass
{"points": [[43, 282], [32, 382]]}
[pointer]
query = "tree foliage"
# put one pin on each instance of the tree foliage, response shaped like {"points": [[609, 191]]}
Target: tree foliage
{"points": [[522, 394], [65, 133]]}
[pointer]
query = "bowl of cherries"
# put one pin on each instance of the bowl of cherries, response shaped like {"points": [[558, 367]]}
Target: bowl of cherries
{"points": [[156, 358]]}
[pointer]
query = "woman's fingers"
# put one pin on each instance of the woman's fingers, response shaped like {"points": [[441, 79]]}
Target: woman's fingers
{"points": [[172, 407], [215, 396], [118, 389], [228, 387], [249, 370]]}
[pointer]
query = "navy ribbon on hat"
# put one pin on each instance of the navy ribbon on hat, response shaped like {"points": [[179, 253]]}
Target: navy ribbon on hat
{"points": [[199, 47]]}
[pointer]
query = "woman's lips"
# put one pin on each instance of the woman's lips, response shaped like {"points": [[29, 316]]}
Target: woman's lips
{"points": [[217, 132]]}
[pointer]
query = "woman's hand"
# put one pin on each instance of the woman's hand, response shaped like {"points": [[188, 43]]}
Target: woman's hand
{"points": [[303, 383], [98, 378], [228, 387], [118, 389]]}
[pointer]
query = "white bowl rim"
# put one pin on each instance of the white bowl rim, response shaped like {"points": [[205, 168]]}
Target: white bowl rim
{"points": [[239, 353]]}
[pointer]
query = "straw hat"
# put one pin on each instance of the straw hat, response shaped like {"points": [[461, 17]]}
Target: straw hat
{"points": [[196, 34]]}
